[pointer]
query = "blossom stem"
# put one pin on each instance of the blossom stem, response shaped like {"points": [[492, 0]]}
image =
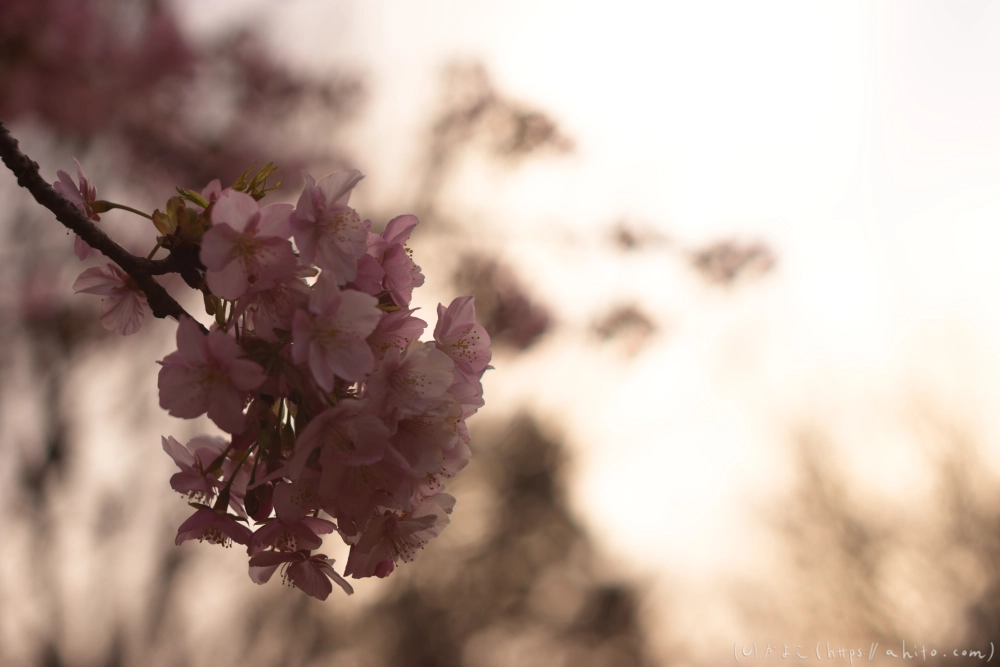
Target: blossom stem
{"points": [[224, 494], [141, 270], [153, 251], [217, 461], [108, 205], [253, 473]]}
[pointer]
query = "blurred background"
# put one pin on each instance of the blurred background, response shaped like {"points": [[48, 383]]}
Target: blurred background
{"points": [[737, 261]]}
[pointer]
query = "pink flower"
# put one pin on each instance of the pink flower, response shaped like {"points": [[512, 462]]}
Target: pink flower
{"points": [[458, 335], [346, 432], [410, 382], [207, 374], [353, 494], [195, 479], [246, 244], [271, 304], [401, 274], [81, 195], [331, 335], [370, 275], [216, 526], [397, 329], [125, 305], [327, 231], [310, 574], [456, 457], [421, 439], [292, 530], [397, 536]]}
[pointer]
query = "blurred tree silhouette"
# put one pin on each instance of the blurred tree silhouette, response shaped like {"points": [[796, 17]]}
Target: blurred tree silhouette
{"points": [[511, 317], [528, 590], [853, 572]]}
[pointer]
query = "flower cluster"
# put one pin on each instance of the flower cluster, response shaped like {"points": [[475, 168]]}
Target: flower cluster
{"points": [[315, 369]]}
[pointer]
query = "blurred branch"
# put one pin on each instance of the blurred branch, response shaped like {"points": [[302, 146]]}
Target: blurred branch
{"points": [[141, 270]]}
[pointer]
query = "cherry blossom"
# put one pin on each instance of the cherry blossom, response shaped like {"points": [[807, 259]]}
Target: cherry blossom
{"points": [[401, 273], [196, 479], [125, 304], [397, 329], [309, 573], [410, 382], [207, 374], [331, 401], [327, 231], [271, 304], [349, 434], [458, 335], [397, 536], [330, 334], [245, 244], [82, 195], [213, 526], [291, 530]]}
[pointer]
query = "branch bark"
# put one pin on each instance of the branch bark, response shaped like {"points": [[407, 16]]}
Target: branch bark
{"points": [[140, 269]]}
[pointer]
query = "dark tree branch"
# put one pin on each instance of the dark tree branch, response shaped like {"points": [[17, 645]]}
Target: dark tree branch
{"points": [[140, 269]]}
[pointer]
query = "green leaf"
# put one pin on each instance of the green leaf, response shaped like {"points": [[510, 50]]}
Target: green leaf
{"points": [[193, 197]]}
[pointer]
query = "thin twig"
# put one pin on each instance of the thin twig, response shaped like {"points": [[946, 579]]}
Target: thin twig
{"points": [[140, 269]]}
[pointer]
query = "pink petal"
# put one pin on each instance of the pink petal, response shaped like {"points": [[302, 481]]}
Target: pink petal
{"points": [[275, 221], [191, 342], [339, 580], [212, 190], [177, 396], [217, 246], [310, 580], [123, 313], [98, 280], [178, 452], [235, 209], [261, 574], [81, 248], [301, 337], [231, 282], [321, 364], [68, 189], [337, 187], [399, 228], [245, 374], [226, 410], [275, 259]]}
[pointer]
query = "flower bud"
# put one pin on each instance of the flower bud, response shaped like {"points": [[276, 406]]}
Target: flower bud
{"points": [[259, 501]]}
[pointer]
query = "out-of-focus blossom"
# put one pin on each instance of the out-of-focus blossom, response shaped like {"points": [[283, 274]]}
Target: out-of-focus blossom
{"points": [[82, 195], [393, 537], [311, 574], [196, 479], [125, 304], [213, 526]]}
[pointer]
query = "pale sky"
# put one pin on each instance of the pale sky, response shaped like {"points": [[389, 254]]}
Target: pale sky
{"points": [[859, 139]]}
